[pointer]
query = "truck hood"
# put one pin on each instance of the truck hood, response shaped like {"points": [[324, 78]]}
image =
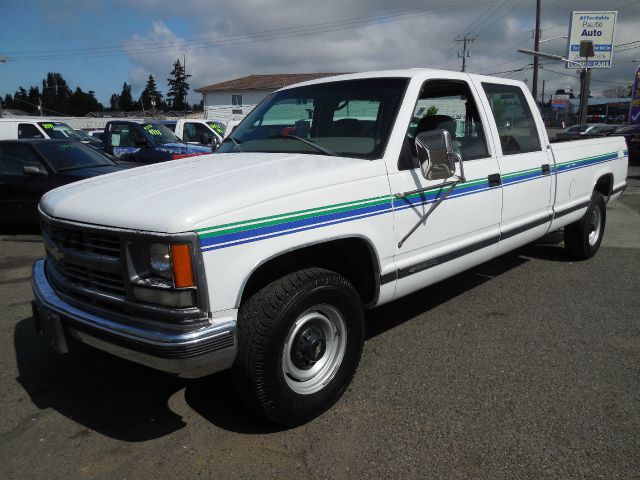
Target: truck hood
{"points": [[183, 195]]}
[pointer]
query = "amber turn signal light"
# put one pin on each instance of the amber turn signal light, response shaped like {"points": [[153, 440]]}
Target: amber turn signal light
{"points": [[181, 266]]}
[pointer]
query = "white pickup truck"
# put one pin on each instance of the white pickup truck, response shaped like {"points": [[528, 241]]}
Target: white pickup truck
{"points": [[332, 196]]}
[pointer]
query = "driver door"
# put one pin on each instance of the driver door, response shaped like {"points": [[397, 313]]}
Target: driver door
{"points": [[464, 229]]}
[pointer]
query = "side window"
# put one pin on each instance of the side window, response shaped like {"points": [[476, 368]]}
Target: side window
{"points": [[514, 120], [27, 130], [447, 105], [13, 158], [189, 133], [123, 136], [202, 133], [236, 100]]}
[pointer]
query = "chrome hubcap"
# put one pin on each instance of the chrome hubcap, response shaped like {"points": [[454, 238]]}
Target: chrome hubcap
{"points": [[314, 349], [594, 226]]}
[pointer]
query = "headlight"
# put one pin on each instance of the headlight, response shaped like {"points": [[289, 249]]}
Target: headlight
{"points": [[162, 274]]}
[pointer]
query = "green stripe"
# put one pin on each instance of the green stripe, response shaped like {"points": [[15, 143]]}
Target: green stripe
{"points": [[366, 201], [290, 218], [270, 220]]}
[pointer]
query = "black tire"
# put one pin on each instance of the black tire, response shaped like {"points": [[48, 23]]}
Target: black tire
{"points": [[582, 238], [267, 322]]}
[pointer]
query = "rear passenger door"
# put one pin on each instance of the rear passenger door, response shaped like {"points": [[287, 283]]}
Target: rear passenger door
{"points": [[525, 165]]}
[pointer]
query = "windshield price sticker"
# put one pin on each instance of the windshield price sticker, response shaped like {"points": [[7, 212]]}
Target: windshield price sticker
{"points": [[152, 130], [217, 128], [47, 125]]}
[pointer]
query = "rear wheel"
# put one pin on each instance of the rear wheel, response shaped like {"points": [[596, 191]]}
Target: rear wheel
{"points": [[299, 344], [582, 238]]}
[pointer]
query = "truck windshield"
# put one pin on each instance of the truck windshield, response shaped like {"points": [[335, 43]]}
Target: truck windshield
{"points": [[349, 118], [59, 130], [160, 133], [72, 155]]}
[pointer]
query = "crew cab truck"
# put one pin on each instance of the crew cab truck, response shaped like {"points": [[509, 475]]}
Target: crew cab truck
{"points": [[330, 197], [148, 142]]}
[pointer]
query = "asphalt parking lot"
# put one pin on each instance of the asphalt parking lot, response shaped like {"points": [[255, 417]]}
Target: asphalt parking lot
{"points": [[526, 367]]}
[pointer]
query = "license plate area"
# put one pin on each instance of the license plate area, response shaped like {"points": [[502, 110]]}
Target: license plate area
{"points": [[49, 325]]}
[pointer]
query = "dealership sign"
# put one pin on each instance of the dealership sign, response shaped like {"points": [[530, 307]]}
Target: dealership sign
{"points": [[597, 27], [559, 101], [634, 111]]}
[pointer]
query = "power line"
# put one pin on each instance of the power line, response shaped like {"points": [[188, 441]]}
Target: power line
{"points": [[244, 38]]}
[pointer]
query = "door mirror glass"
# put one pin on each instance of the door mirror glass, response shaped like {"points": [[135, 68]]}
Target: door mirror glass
{"points": [[33, 170], [435, 154]]}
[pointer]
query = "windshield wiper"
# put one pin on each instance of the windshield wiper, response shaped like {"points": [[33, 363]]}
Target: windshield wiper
{"points": [[236, 143], [320, 148]]}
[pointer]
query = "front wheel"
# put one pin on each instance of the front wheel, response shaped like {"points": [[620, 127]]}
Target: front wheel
{"points": [[299, 344], [583, 238]]}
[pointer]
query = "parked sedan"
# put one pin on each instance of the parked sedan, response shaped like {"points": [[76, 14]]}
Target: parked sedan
{"points": [[29, 168], [631, 134], [587, 130]]}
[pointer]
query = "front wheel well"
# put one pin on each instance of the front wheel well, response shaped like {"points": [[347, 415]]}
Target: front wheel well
{"points": [[353, 258]]}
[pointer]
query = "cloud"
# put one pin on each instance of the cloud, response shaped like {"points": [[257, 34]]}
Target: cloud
{"points": [[359, 35]]}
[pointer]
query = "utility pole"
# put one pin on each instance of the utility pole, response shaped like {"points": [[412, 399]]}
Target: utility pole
{"points": [[464, 53], [543, 92], [536, 48]]}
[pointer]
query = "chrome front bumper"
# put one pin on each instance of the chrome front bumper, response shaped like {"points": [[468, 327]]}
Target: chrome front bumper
{"points": [[188, 354]]}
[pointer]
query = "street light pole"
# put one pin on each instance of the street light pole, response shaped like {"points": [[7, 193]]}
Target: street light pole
{"points": [[3, 59], [536, 47], [585, 78]]}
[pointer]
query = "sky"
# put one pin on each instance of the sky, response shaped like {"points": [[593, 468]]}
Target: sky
{"points": [[99, 45]]}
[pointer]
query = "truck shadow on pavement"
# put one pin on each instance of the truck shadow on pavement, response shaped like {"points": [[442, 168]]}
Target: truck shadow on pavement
{"points": [[120, 399], [133, 403]]}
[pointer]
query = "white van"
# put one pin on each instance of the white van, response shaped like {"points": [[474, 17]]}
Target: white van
{"points": [[13, 128]]}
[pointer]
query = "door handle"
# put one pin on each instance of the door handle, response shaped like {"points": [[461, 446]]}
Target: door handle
{"points": [[494, 180], [546, 169]]}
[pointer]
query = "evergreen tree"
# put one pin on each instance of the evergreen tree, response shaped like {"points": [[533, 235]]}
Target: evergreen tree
{"points": [[150, 96], [178, 87], [126, 99], [34, 98], [114, 102], [55, 94]]}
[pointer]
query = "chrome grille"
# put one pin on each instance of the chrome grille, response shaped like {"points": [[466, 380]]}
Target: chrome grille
{"points": [[76, 239], [88, 262]]}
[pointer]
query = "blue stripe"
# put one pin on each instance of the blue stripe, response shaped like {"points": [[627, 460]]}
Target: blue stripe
{"points": [[280, 234], [278, 230], [260, 231]]}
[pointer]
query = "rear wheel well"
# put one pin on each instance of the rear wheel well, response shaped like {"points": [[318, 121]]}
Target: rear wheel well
{"points": [[604, 185], [352, 258]]}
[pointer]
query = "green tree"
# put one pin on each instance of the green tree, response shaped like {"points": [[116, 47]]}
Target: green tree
{"points": [[178, 87], [150, 96], [114, 102], [82, 103], [56, 94], [126, 99], [432, 110]]}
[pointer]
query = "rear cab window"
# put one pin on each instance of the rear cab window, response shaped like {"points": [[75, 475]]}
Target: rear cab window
{"points": [[514, 120]]}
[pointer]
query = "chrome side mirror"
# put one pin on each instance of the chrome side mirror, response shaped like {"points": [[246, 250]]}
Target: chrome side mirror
{"points": [[435, 155], [33, 170]]}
